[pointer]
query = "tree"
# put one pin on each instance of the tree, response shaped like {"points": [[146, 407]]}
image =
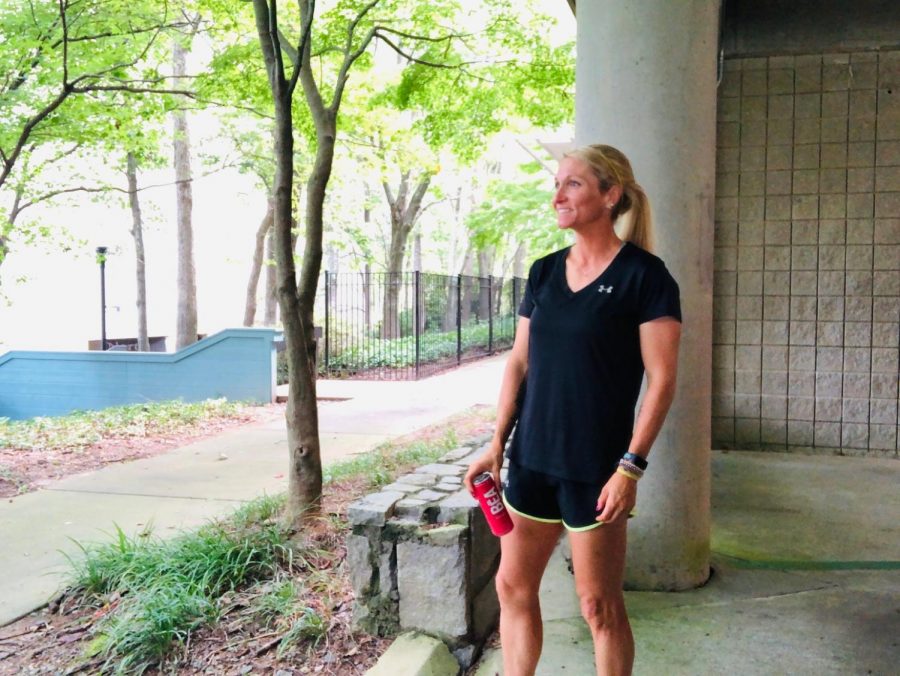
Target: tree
{"points": [[63, 64], [336, 42]]}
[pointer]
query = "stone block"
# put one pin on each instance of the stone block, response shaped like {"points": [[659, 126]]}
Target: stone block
{"points": [[887, 179], [451, 535], [808, 105], [387, 570], [883, 411], [753, 183], [746, 432], [773, 432], [416, 654], [834, 130], [778, 207], [855, 435], [831, 282], [857, 385], [857, 360], [833, 231], [432, 585], [773, 407], [829, 358], [827, 434], [857, 334], [774, 383], [429, 495], [804, 257], [751, 233], [860, 230], [418, 479], [749, 308], [781, 81], [748, 332], [778, 233], [883, 437], [746, 406], [829, 334], [752, 208], [805, 181], [806, 131], [800, 433], [749, 283], [727, 184], [863, 104], [832, 206], [835, 104], [440, 470], [752, 108], [485, 611], [828, 409], [777, 183], [803, 283], [833, 155], [779, 157], [722, 431], [725, 258], [447, 487], [835, 77], [858, 309], [362, 572], [776, 281], [455, 454], [828, 384], [747, 358], [401, 487], [887, 231], [803, 333], [774, 358], [855, 410], [753, 83], [888, 154], [862, 129], [884, 334], [884, 385], [752, 133], [469, 459], [455, 508], [861, 179], [808, 78], [374, 509], [859, 283], [887, 204], [886, 283], [802, 358], [888, 127], [411, 508], [861, 154], [859, 257], [779, 132]]}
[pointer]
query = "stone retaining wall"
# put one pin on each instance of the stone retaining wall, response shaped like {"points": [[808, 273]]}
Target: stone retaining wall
{"points": [[422, 557]]}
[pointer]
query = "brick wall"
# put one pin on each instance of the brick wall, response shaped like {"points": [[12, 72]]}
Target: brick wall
{"points": [[807, 271]]}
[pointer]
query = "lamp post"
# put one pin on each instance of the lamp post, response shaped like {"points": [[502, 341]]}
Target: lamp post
{"points": [[101, 259]]}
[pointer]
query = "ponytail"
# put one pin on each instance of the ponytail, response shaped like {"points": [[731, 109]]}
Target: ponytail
{"points": [[637, 225], [611, 168]]}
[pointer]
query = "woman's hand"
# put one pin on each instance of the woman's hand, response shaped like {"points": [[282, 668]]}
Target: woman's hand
{"points": [[617, 498], [491, 461]]}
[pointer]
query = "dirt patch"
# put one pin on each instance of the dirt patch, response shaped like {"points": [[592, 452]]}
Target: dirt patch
{"points": [[57, 639], [25, 470]]}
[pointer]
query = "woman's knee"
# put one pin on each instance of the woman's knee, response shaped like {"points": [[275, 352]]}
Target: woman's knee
{"points": [[512, 591], [602, 613]]}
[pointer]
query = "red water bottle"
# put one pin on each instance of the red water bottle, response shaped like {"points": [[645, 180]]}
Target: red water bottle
{"points": [[492, 504]]}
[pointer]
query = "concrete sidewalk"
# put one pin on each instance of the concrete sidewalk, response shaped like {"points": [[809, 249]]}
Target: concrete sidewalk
{"points": [[188, 485], [806, 579]]}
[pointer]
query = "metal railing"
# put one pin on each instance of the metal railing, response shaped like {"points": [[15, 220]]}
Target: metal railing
{"points": [[408, 325]]}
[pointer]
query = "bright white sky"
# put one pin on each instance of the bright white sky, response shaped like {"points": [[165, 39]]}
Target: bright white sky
{"points": [[50, 300]]}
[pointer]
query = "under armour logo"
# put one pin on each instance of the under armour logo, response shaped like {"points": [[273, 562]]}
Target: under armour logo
{"points": [[607, 289]]}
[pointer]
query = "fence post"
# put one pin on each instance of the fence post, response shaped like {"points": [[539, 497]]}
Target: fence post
{"points": [[458, 319], [327, 308], [490, 314], [515, 299], [417, 291]]}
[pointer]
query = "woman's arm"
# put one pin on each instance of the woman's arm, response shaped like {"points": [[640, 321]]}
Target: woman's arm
{"points": [[659, 351], [507, 407]]}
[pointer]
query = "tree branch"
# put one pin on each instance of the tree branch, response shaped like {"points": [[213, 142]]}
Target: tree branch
{"points": [[410, 57], [304, 46]]}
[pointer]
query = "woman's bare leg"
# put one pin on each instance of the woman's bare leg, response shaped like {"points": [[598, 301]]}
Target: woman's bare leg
{"points": [[598, 557], [524, 555]]}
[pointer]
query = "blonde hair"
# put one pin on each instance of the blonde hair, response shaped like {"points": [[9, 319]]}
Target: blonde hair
{"points": [[611, 167]]}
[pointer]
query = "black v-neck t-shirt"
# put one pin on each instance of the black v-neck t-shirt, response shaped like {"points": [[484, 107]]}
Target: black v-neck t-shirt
{"points": [[584, 362]]}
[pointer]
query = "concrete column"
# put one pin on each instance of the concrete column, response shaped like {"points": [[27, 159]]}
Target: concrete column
{"points": [[646, 84]]}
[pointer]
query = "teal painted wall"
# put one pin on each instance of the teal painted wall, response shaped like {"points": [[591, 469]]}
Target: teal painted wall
{"points": [[238, 364]]}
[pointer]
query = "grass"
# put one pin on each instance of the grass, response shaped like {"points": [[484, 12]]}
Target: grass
{"points": [[157, 592], [84, 428]]}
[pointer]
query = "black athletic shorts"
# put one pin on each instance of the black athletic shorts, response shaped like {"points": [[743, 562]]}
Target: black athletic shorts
{"points": [[546, 498]]}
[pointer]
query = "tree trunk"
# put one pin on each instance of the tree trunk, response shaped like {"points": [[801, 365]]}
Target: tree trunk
{"points": [[468, 287], [137, 233], [404, 209], [262, 231], [186, 330], [271, 297], [484, 271]]}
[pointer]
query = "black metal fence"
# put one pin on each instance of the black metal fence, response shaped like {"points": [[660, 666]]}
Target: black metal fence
{"points": [[408, 325]]}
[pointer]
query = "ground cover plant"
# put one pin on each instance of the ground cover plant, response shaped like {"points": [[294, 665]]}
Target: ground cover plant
{"points": [[42, 449], [240, 595]]}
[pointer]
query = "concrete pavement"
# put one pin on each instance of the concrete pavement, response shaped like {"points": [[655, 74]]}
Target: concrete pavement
{"points": [[806, 579], [188, 485]]}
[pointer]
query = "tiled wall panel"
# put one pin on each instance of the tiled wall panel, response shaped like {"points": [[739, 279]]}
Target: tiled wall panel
{"points": [[807, 254]]}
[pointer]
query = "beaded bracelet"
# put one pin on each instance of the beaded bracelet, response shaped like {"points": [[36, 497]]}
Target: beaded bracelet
{"points": [[632, 468]]}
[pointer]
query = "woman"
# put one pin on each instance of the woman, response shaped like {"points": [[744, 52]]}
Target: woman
{"points": [[594, 317]]}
